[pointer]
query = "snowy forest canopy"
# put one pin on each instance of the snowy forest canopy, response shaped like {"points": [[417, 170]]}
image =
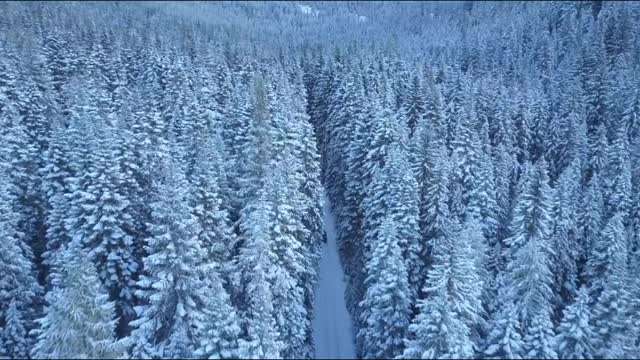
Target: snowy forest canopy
{"points": [[163, 165]]}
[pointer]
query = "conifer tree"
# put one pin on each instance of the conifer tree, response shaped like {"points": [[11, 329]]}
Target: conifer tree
{"points": [[505, 170], [610, 290], [385, 312], [598, 149], [565, 233], [216, 235], [618, 170], [590, 225], [440, 334], [452, 293], [415, 108], [55, 185], [392, 193], [79, 319], [504, 339], [467, 152], [255, 264], [575, 334], [529, 276], [434, 204], [20, 292], [109, 225], [260, 135], [539, 340], [288, 234], [14, 341], [220, 329], [175, 288]]}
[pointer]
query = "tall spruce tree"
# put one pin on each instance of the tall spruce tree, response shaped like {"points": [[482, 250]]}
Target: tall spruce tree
{"points": [[79, 320], [575, 334], [175, 288], [529, 276], [385, 312], [610, 290], [20, 292]]}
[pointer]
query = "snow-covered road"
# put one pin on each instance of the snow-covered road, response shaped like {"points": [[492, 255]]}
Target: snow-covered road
{"points": [[332, 328]]}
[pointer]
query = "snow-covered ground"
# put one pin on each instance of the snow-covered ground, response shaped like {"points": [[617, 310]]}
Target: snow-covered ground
{"points": [[332, 328]]}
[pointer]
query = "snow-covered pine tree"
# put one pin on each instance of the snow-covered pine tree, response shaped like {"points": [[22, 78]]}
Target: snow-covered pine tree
{"points": [[348, 208], [299, 188], [14, 340], [470, 273], [255, 269], [406, 212], [106, 232], [55, 187], [386, 306], [539, 120], [598, 149], [79, 320], [539, 340], [506, 168], [83, 152], [8, 68], [456, 88], [197, 124], [355, 181], [521, 118], [433, 107], [557, 151], [287, 235], [415, 108], [220, 329], [482, 211], [236, 138], [504, 340], [610, 291], [434, 202], [20, 292], [595, 83], [575, 334], [145, 148], [255, 156], [378, 141], [175, 288], [437, 332], [618, 168], [35, 109], [319, 98], [372, 137], [529, 277], [631, 115], [382, 136], [467, 151], [216, 235], [418, 149], [392, 194], [483, 198], [451, 309], [565, 235], [590, 225], [632, 347], [149, 131]]}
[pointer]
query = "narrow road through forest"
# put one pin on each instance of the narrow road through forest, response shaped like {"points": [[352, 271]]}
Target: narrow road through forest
{"points": [[332, 327]]}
